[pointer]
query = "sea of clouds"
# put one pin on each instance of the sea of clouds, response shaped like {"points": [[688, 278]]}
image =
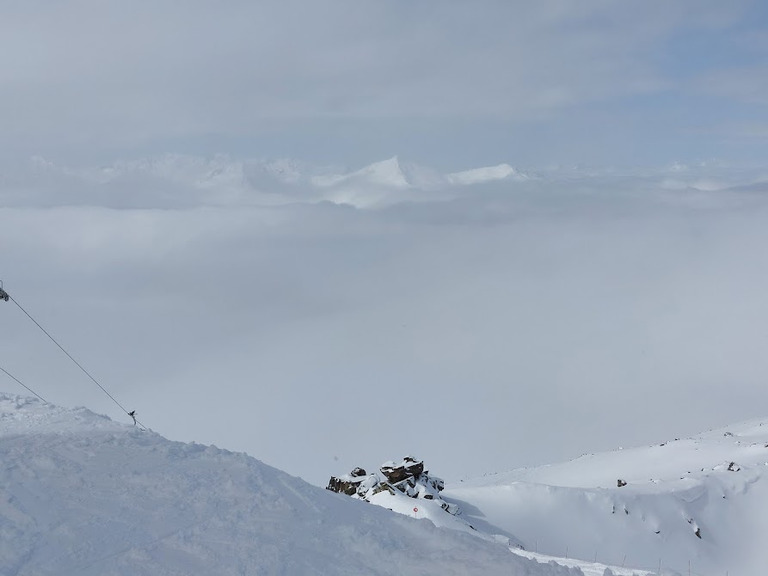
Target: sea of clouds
{"points": [[481, 326]]}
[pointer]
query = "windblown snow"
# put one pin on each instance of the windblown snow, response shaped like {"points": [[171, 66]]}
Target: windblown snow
{"points": [[82, 495]]}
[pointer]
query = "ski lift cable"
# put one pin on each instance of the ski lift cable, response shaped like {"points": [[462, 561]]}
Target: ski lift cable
{"points": [[12, 377], [131, 414]]}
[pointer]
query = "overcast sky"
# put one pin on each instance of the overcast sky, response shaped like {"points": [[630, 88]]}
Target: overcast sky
{"points": [[235, 299], [440, 82]]}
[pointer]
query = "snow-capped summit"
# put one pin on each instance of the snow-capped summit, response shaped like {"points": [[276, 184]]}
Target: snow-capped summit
{"points": [[485, 174], [378, 184], [80, 494], [385, 173]]}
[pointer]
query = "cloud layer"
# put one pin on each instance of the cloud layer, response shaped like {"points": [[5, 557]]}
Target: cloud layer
{"points": [[481, 327]]}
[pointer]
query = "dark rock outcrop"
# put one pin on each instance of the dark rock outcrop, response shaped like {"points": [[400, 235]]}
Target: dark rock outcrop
{"points": [[406, 477]]}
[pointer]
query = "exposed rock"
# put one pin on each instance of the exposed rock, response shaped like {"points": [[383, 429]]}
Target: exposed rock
{"points": [[341, 486], [620, 483], [381, 487], [356, 482], [407, 468], [407, 477]]}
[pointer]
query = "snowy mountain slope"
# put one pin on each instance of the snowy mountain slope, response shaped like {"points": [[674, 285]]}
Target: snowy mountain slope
{"points": [[82, 495], [715, 484], [407, 488]]}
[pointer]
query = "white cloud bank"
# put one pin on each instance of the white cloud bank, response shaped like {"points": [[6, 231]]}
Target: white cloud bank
{"points": [[480, 327]]}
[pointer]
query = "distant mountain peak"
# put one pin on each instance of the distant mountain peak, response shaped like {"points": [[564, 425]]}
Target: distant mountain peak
{"points": [[385, 173], [485, 174]]}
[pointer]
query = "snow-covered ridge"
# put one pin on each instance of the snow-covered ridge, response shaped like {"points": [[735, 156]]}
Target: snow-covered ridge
{"points": [[222, 180], [671, 461], [183, 181], [697, 500], [22, 415], [80, 494]]}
